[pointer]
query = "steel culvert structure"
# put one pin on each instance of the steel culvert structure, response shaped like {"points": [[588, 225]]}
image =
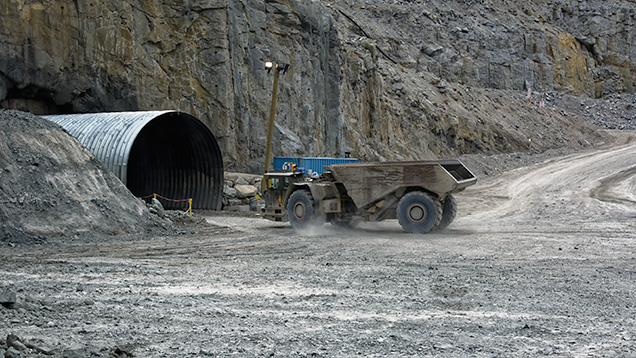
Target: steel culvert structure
{"points": [[169, 153]]}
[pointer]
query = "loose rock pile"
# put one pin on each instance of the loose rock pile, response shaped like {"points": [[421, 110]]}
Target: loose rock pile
{"points": [[181, 218], [51, 186], [241, 191], [614, 111]]}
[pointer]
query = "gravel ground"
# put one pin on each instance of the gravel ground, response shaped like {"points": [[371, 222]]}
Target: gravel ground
{"points": [[540, 261]]}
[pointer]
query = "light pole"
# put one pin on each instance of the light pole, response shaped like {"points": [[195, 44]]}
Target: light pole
{"points": [[272, 112]]}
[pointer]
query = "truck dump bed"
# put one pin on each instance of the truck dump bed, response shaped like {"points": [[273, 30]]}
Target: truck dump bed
{"points": [[369, 182]]}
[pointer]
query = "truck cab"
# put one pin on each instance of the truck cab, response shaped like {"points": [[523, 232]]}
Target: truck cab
{"points": [[276, 187]]}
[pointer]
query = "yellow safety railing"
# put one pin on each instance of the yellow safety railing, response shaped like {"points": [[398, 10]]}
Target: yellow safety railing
{"points": [[155, 195]]}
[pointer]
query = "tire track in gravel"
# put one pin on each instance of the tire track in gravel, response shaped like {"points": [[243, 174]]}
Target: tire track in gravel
{"points": [[210, 243], [618, 188], [557, 194]]}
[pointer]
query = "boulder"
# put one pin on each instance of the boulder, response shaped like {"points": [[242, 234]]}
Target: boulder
{"points": [[245, 191], [8, 298], [155, 207], [12, 353], [242, 181], [229, 191], [76, 351]]}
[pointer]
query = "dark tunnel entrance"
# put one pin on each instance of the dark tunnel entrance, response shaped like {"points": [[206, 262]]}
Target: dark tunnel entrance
{"points": [[171, 157], [171, 154]]}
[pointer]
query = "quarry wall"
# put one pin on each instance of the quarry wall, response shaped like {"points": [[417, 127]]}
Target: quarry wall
{"points": [[383, 80]]}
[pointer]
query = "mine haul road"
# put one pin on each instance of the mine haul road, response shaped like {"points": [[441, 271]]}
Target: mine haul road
{"points": [[540, 261]]}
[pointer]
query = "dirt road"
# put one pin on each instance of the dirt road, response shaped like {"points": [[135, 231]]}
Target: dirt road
{"points": [[541, 261]]}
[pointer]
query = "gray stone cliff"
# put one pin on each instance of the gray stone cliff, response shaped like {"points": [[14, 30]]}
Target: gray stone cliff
{"points": [[384, 80]]}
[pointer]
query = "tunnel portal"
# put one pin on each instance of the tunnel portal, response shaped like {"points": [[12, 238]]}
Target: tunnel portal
{"points": [[168, 153]]}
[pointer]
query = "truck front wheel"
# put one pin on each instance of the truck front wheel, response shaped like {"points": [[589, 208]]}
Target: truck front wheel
{"points": [[300, 209], [418, 212]]}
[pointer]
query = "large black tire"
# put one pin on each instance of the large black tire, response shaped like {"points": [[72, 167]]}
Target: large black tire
{"points": [[418, 212], [449, 211], [301, 209]]}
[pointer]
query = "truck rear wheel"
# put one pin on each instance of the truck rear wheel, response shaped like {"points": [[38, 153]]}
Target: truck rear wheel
{"points": [[301, 210], [418, 212], [449, 211]]}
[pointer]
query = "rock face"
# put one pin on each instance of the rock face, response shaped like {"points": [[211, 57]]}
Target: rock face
{"points": [[382, 80], [203, 57], [579, 47]]}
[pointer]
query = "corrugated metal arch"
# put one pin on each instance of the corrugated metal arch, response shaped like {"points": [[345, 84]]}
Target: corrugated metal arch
{"points": [[169, 153]]}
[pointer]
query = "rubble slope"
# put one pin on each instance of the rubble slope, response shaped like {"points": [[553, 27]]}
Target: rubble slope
{"points": [[51, 186]]}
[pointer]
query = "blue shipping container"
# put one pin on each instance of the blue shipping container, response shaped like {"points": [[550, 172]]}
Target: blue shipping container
{"points": [[311, 164], [315, 164], [280, 161]]}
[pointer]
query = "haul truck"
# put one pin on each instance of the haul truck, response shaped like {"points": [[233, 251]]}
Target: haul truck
{"points": [[418, 194]]}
